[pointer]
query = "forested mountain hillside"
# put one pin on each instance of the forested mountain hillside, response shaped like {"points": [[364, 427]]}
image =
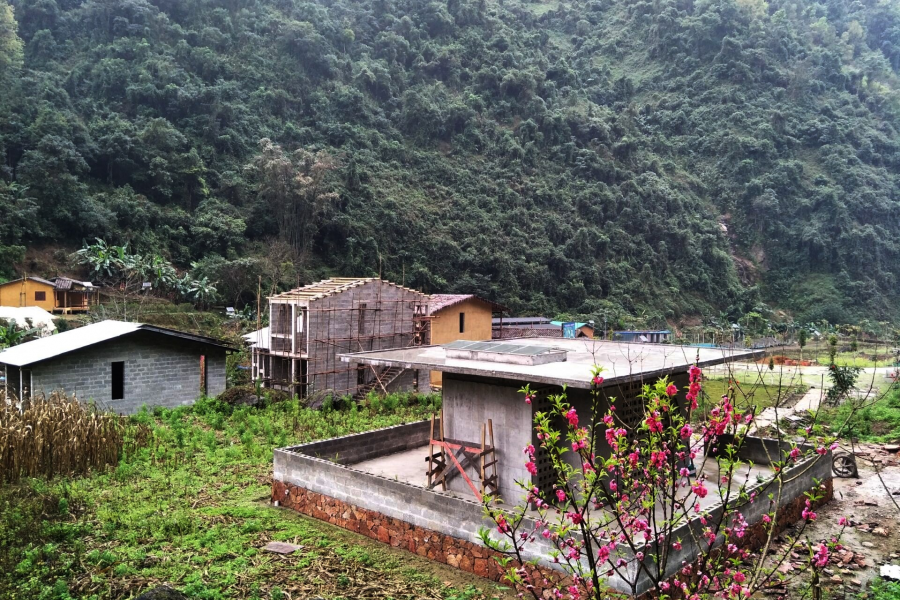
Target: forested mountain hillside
{"points": [[664, 157]]}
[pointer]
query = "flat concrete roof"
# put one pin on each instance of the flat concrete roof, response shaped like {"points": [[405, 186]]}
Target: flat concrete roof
{"points": [[621, 361]]}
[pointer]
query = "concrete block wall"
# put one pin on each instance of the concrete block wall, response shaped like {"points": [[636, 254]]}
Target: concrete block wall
{"points": [[467, 406], [159, 371], [336, 323], [354, 448], [797, 480], [300, 468]]}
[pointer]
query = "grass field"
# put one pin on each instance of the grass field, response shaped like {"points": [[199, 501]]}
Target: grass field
{"points": [[749, 389], [191, 508], [876, 420]]}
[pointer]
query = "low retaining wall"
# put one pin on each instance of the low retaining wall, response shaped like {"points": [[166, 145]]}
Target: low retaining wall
{"points": [[317, 480], [357, 447]]}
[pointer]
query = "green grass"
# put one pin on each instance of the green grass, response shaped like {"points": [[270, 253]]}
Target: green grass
{"points": [[883, 590], [750, 389], [191, 508], [870, 421]]}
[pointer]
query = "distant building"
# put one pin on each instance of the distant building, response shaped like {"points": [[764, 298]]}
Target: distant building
{"points": [[59, 295], [121, 366], [518, 327], [643, 336], [459, 317], [309, 326]]}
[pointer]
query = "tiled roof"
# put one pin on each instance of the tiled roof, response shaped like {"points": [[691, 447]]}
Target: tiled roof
{"points": [[66, 283], [438, 302]]}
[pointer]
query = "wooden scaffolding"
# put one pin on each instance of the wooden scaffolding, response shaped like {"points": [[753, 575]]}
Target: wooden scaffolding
{"points": [[462, 455]]}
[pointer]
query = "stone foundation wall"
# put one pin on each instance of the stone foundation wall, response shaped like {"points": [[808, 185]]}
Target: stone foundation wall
{"points": [[435, 546]]}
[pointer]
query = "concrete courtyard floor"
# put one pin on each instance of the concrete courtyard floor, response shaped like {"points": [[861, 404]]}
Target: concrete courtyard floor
{"points": [[410, 467]]}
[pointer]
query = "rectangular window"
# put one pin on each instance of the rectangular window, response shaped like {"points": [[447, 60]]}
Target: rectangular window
{"points": [[462, 322], [40, 296], [118, 380]]}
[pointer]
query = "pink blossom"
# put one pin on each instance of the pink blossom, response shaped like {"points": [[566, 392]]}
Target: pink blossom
{"points": [[572, 416], [532, 468], [686, 432], [502, 525], [608, 420], [821, 556], [597, 380], [834, 446], [529, 449], [575, 517], [560, 495], [842, 521], [671, 390], [653, 423], [740, 577], [528, 398], [795, 452], [676, 545], [821, 450], [767, 519], [699, 489]]}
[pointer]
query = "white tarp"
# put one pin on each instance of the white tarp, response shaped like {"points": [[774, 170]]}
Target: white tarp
{"points": [[39, 318]]}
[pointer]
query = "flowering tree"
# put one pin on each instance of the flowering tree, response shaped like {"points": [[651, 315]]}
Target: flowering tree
{"points": [[633, 502]]}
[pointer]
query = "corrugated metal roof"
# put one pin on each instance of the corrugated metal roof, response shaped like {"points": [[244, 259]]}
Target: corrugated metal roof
{"points": [[438, 302], [83, 337], [521, 321], [38, 279], [21, 316], [258, 339]]}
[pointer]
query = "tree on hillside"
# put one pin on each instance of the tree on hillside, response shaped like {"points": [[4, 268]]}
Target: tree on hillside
{"points": [[293, 186], [10, 44]]}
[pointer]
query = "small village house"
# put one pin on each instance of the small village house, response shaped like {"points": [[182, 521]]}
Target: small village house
{"points": [[59, 295], [518, 327], [643, 336], [459, 317], [121, 366]]}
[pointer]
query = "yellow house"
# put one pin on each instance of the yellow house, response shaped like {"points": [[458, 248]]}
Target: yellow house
{"points": [[63, 295], [459, 317]]}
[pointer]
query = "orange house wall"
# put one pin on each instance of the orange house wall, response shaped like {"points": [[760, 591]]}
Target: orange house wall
{"points": [[10, 294], [445, 326]]}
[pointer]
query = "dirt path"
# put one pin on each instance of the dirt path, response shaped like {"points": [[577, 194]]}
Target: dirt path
{"points": [[872, 538]]}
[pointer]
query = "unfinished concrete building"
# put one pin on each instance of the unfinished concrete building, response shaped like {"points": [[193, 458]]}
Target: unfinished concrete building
{"points": [[419, 486], [311, 325]]}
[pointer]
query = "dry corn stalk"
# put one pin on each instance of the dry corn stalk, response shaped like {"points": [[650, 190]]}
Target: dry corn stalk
{"points": [[57, 435]]}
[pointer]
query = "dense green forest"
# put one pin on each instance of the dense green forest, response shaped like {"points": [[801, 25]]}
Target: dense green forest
{"points": [[668, 158]]}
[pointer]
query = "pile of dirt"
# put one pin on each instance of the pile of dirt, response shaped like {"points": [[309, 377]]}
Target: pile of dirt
{"points": [[245, 395], [780, 359]]}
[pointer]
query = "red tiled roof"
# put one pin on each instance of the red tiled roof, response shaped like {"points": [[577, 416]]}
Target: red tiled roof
{"points": [[438, 302]]}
